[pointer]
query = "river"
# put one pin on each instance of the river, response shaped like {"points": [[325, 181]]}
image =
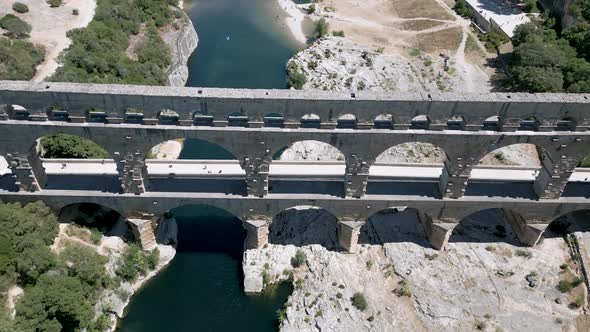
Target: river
{"points": [[242, 44]]}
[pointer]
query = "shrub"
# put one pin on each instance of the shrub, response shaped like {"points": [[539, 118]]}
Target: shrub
{"points": [[132, 263], [311, 9], [565, 286], [20, 7], [403, 289], [359, 301], [298, 259], [15, 26], [321, 28], [339, 33], [462, 9], [19, 59], [75, 12], [54, 3], [295, 77]]}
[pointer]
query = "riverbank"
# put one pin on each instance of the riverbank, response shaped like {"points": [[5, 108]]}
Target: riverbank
{"points": [[113, 245], [182, 39], [294, 19]]}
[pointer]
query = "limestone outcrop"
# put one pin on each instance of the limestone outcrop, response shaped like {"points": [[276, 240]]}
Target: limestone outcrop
{"points": [[338, 64], [182, 39], [483, 281]]}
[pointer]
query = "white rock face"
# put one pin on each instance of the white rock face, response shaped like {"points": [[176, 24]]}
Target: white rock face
{"points": [[182, 42], [338, 64], [482, 280]]}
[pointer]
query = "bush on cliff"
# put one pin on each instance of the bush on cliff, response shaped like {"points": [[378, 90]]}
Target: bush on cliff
{"points": [[135, 262], [295, 77], [19, 59], [71, 146]]}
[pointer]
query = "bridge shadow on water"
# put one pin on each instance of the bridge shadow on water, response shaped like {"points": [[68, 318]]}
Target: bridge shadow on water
{"points": [[577, 189], [202, 288]]}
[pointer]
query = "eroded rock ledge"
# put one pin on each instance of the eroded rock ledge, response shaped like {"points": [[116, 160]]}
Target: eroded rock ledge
{"points": [[182, 39]]}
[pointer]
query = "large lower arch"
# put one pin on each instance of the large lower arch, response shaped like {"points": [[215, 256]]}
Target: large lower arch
{"points": [[308, 167], [305, 225], [207, 228], [194, 165], [97, 217], [411, 168], [577, 221], [490, 226], [394, 225]]}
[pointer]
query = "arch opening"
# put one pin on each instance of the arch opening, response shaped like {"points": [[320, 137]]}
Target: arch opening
{"points": [[90, 221], [566, 124], [486, 226], [13, 111], [308, 167], [203, 228], [202, 119], [237, 119], [420, 122], [305, 225], [346, 121], [394, 225], [76, 163], [456, 123], [383, 121], [98, 115], [411, 168], [275, 120], [493, 123], [194, 165], [509, 171], [569, 223], [310, 121], [134, 115], [168, 117], [529, 123]]}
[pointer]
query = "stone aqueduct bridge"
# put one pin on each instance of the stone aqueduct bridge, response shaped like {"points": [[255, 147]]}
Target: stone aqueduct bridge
{"points": [[255, 124]]}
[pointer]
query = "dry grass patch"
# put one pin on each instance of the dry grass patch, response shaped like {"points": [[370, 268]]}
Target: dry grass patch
{"points": [[448, 39], [421, 8], [418, 25]]}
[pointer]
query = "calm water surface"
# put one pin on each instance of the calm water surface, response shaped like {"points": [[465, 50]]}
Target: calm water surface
{"points": [[242, 44], [201, 290]]}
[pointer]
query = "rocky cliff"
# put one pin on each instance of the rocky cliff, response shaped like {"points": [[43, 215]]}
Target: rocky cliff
{"points": [[560, 8], [182, 39]]}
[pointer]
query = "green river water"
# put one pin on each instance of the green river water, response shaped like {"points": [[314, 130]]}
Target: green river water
{"points": [[242, 43]]}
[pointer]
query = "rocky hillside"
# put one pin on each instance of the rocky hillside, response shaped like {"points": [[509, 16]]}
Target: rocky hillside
{"points": [[338, 64]]}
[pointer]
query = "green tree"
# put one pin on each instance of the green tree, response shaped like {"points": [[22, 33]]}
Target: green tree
{"points": [[55, 303], [15, 26], [295, 77], [19, 59], [321, 28], [71, 146], [85, 264], [20, 7]]}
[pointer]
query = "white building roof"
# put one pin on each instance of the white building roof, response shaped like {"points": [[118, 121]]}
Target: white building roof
{"points": [[501, 13]]}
